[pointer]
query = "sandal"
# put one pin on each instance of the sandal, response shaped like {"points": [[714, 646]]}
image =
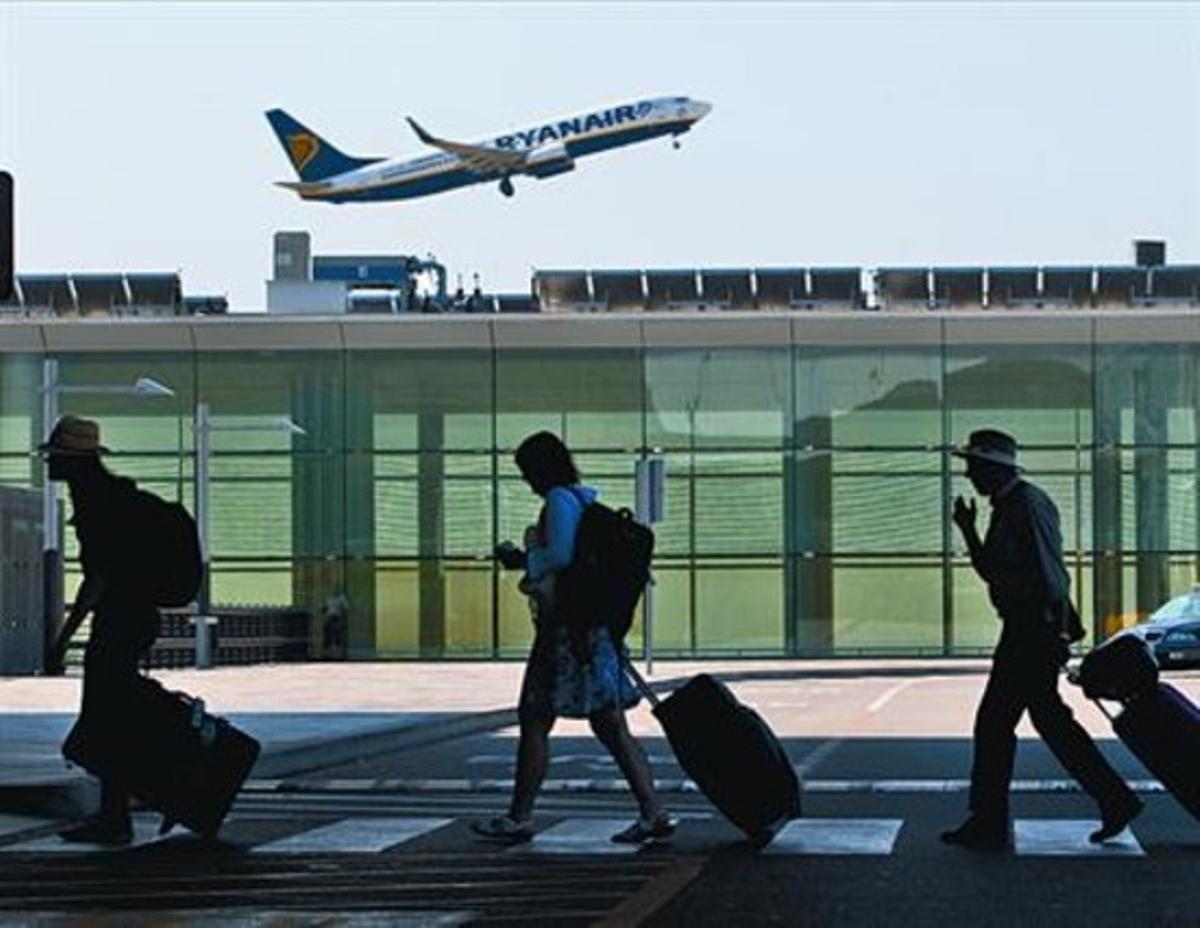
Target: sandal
{"points": [[641, 831]]}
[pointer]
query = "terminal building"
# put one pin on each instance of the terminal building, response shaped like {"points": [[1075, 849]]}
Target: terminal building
{"points": [[805, 416]]}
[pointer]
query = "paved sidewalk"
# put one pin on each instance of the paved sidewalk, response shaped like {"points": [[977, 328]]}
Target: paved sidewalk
{"points": [[312, 715]]}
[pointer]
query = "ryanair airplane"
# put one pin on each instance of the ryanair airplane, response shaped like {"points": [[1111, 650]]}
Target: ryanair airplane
{"points": [[328, 175]]}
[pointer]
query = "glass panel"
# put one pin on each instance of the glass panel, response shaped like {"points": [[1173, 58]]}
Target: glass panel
{"points": [[410, 400], [887, 605], [397, 609], [590, 398], [739, 607], [717, 398], [868, 397], [468, 609]]}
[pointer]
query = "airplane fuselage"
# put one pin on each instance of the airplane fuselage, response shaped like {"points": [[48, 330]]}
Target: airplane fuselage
{"points": [[552, 148]]}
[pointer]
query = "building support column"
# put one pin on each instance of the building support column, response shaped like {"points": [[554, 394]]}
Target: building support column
{"points": [[359, 489], [317, 514], [1150, 478], [1108, 602], [431, 485], [808, 525]]}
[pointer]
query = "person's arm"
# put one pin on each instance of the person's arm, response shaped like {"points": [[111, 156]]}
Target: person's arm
{"points": [[86, 598], [563, 513], [1039, 575]]}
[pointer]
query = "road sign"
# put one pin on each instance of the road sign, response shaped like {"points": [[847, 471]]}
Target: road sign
{"points": [[651, 500]]}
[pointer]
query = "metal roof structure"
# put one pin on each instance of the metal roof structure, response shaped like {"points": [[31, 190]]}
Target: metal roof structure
{"points": [[728, 288], [667, 289], [780, 287], [619, 290]]}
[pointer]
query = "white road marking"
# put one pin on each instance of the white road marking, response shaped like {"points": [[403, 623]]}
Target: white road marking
{"points": [[817, 756], [875, 836], [680, 785], [893, 693], [354, 836], [579, 836], [1069, 838], [15, 824]]}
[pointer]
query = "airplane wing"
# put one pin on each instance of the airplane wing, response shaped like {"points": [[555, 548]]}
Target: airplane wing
{"points": [[478, 158]]}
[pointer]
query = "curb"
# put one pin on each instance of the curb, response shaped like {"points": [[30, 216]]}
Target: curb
{"points": [[317, 753]]}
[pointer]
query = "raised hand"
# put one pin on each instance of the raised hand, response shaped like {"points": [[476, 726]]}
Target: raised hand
{"points": [[964, 515]]}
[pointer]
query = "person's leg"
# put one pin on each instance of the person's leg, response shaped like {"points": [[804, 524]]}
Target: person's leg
{"points": [[995, 740], [995, 750], [610, 728], [533, 757], [1075, 750], [109, 665]]}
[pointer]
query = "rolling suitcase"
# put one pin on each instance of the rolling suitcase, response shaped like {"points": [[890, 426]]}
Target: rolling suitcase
{"points": [[1162, 728], [730, 752], [170, 754]]}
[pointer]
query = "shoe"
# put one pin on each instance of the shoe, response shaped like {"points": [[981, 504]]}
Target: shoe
{"points": [[641, 831], [504, 828], [98, 833], [1116, 819], [979, 834]]}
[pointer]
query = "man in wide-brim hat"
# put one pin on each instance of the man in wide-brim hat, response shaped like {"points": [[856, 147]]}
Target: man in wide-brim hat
{"points": [[1021, 562], [125, 621]]}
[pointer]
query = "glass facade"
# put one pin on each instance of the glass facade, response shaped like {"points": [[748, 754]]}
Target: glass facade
{"points": [[808, 479]]}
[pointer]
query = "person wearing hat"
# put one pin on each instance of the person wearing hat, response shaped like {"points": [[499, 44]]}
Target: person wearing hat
{"points": [[125, 621], [1021, 561]]}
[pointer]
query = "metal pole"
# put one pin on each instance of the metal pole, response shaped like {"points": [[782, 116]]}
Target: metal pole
{"points": [[52, 579], [203, 601]]}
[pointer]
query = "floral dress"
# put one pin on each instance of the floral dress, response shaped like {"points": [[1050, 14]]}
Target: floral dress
{"points": [[557, 682]]}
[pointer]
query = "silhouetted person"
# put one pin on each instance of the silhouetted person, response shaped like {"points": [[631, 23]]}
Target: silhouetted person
{"points": [[562, 679], [125, 621], [1021, 562]]}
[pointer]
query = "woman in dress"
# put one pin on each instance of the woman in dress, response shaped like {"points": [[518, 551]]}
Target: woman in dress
{"points": [[561, 679]]}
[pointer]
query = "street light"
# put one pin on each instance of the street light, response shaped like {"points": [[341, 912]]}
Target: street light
{"points": [[204, 426], [52, 585]]}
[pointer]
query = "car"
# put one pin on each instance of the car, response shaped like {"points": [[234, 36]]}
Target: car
{"points": [[1173, 630], [1178, 646]]}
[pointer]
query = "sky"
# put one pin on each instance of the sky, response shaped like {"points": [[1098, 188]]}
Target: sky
{"points": [[867, 134]]}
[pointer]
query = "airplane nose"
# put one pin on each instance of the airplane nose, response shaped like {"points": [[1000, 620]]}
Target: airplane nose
{"points": [[700, 109]]}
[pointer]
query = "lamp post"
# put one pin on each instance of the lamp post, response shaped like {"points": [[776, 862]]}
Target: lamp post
{"points": [[204, 426], [52, 562]]}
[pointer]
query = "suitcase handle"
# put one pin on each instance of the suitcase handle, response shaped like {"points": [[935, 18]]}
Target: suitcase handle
{"points": [[639, 682]]}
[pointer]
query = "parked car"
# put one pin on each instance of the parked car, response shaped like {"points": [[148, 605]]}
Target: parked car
{"points": [[1173, 631]]}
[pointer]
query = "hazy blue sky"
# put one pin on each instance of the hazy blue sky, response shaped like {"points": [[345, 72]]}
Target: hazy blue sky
{"points": [[869, 134]]}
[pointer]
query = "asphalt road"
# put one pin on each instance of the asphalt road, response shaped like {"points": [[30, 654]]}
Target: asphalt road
{"points": [[387, 840], [871, 859]]}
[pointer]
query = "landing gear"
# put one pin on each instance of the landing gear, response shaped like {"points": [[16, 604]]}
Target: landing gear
{"points": [[506, 187], [675, 144]]}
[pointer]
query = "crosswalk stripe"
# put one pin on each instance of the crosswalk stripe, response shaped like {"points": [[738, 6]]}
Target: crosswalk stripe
{"points": [[579, 836], [1069, 838], [354, 835], [145, 831], [876, 836], [15, 824]]}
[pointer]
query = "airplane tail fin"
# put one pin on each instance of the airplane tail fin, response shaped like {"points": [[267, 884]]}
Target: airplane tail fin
{"points": [[313, 158]]}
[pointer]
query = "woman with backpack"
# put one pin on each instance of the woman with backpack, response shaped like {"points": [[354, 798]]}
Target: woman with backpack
{"points": [[576, 674]]}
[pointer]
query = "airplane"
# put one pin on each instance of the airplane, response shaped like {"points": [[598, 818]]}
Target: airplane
{"points": [[330, 176]]}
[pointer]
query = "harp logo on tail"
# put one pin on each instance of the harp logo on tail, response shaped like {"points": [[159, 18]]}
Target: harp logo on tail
{"points": [[303, 147]]}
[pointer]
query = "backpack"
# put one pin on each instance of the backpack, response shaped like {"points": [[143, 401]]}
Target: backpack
{"points": [[168, 549], [610, 569]]}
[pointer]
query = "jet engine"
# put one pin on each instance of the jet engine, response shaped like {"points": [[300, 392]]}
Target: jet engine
{"points": [[549, 160]]}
